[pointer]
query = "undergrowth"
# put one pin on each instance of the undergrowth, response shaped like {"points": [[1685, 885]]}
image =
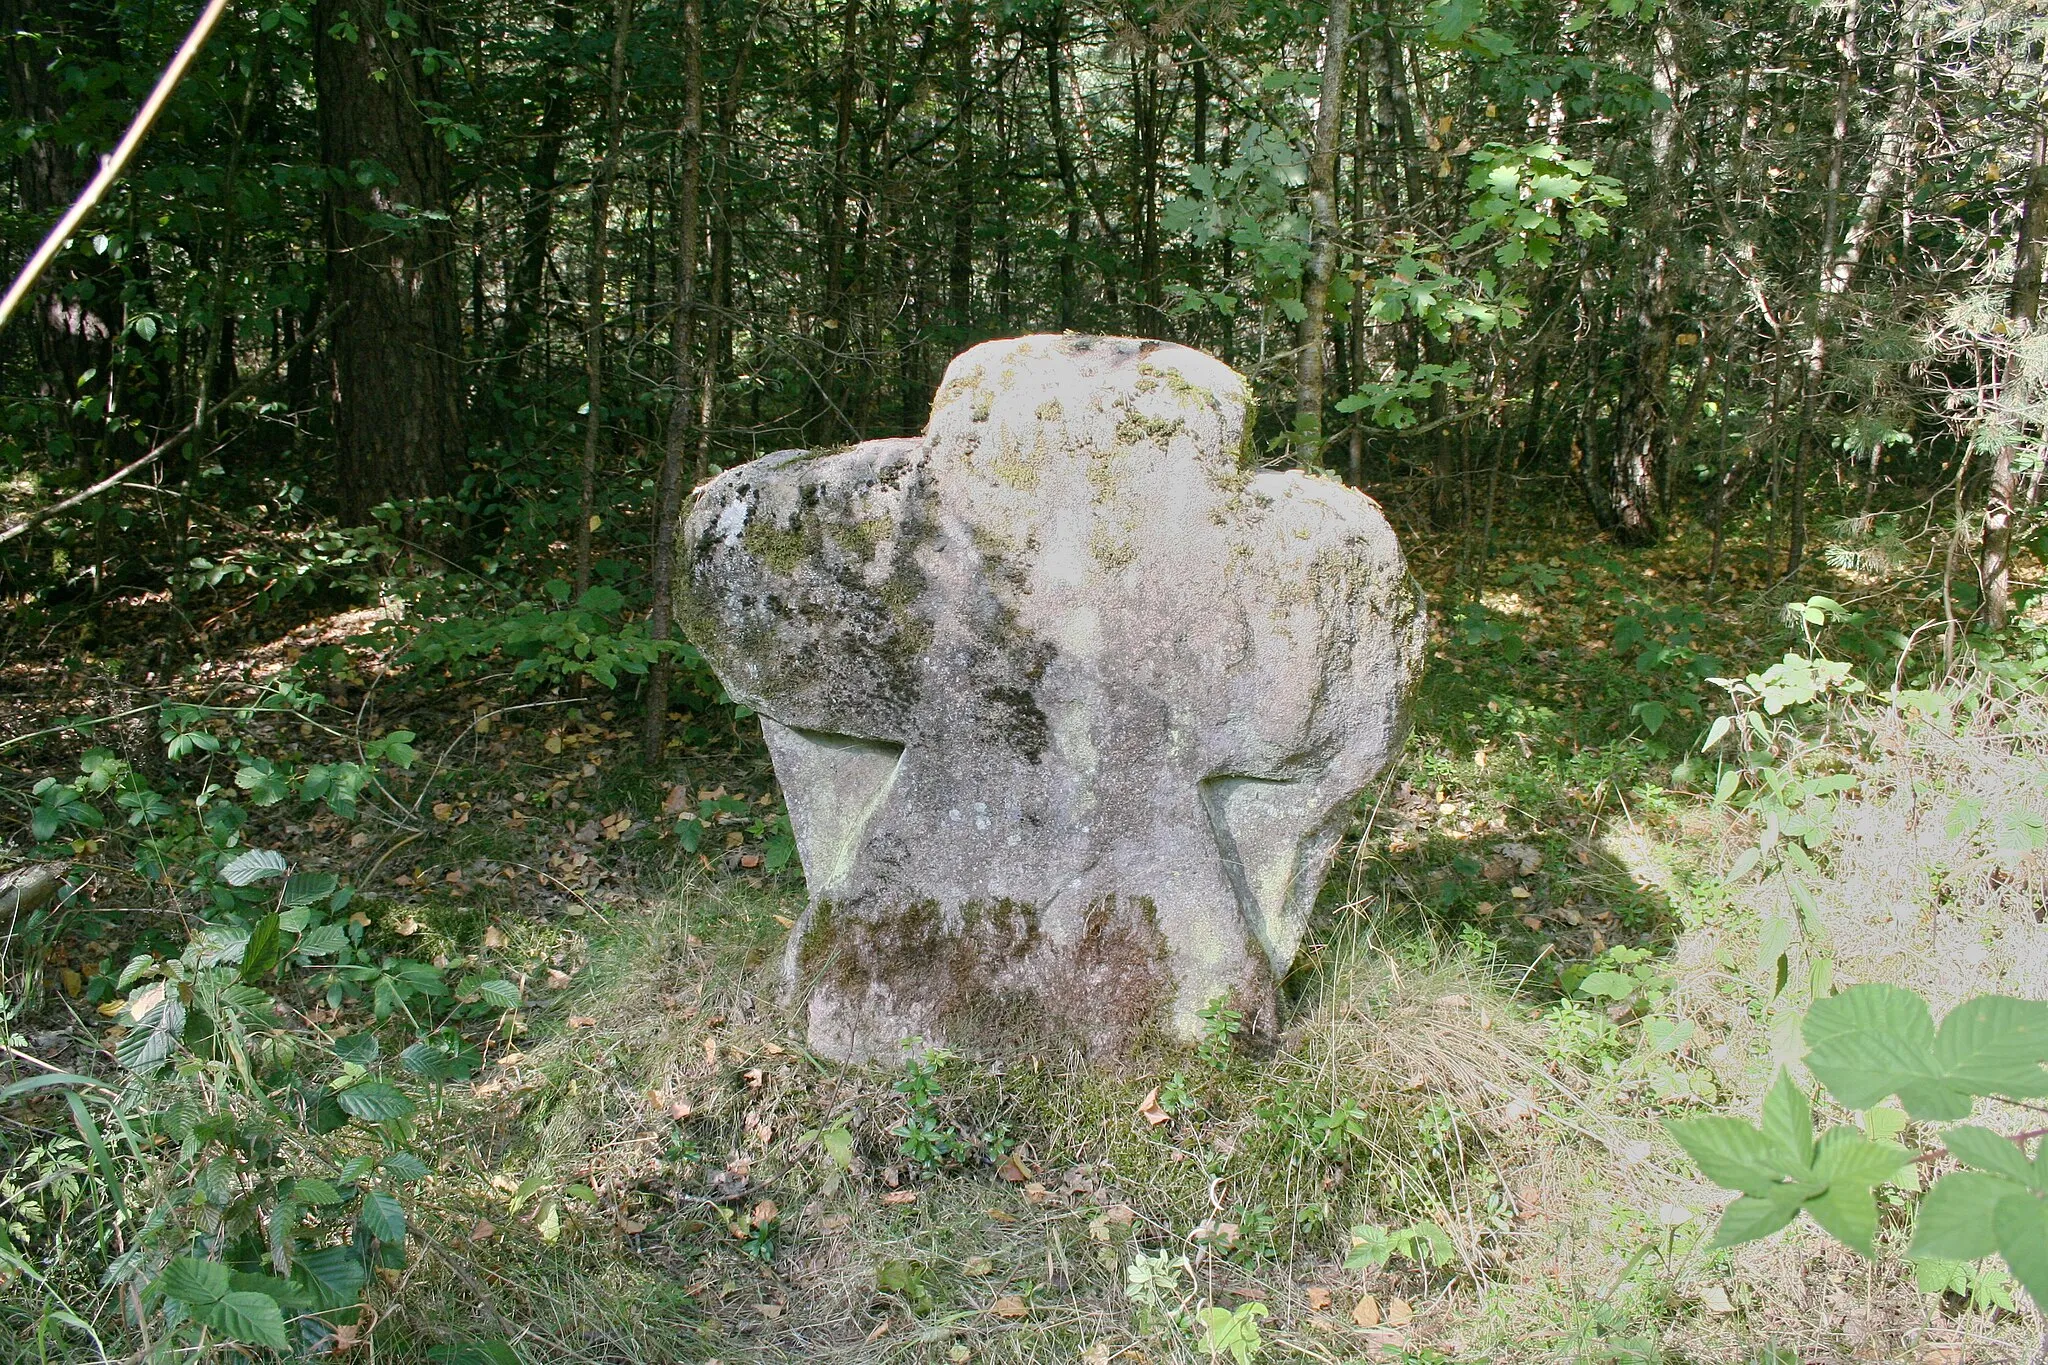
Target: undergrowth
{"points": [[439, 1024]]}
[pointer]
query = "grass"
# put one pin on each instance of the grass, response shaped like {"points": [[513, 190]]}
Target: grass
{"points": [[652, 1167]]}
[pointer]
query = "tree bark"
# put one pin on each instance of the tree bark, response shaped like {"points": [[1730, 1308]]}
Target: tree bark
{"points": [[960, 256], [537, 215], [1322, 252], [669, 487], [1063, 156], [594, 302], [75, 317], [2025, 303], [396, 341], [1638, 444]]}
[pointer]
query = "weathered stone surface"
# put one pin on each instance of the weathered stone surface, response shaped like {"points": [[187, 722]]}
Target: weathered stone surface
{"points": [[1069, 703]]}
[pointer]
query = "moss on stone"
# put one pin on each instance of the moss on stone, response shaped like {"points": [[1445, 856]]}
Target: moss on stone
{"points": [[781, 548]]}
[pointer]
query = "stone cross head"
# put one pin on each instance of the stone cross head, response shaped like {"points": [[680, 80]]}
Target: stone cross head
{"points": [[1070, 702]]}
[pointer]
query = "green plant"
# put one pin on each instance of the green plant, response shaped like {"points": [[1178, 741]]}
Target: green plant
{"points": [[1373, 1247], [1160, 1284], [1623, 979], [1233, 1331], [924, 1135], [1867, 1044], [1220, 1026], [551, 641]]}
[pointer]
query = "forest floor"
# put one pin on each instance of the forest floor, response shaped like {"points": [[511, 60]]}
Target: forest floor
{"points": [[650, 1166]]}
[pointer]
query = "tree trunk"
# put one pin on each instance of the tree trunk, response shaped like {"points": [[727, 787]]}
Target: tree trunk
{"points": [[1322, 251], [396, 342], [1637, 444], [1149, 314], [836, 315], [74, 318], [2025, 302], [1063, 156], [593, 302], [537, 215], [960, 257], [668, 500], [2023, 305]]}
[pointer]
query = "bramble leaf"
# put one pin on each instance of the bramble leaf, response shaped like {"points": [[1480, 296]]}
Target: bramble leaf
{"points": [[192, 1281], [1751, 1218], [1731, 1153], [2020, 1223], [1955, 1217], [243, 1315], [333, 1276], [375, 1102], [383, 1217], [1987, 1151], [1872, 1041], [1995, 1045], [253, 866], [1788, 1120]]}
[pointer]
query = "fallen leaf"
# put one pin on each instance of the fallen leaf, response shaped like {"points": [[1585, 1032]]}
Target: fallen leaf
{"points": [[582, 1021], [630, 1227], [977, 1266], [1036, 1192], [1013, 1169], [1367, 1312], [765, 1212], [494, 937], [753, 1074], [1400, 1313], [770, 1311], [1000, 1216], [680, 1110], [483, 1231], [443, 811], [1715, 1299], [835, 1223], [1149, 1108], [900, 1197], [407, 927], [784, 920], [1009, 1306], [1319, 1299], [710, 1050]]}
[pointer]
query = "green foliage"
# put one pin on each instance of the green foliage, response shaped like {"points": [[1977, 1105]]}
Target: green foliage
{"points": [[1865, 1045], [1233, 1331], [549, 642], [1374, 1247], [239, 1138], [1220, 1026]]}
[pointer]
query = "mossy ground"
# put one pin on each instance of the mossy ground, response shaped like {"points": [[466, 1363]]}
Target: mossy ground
{"points": [[653, 1168], [781, 1218]]}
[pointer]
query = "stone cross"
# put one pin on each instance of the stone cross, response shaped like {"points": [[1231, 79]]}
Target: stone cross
{"points": [[1069, 700]]}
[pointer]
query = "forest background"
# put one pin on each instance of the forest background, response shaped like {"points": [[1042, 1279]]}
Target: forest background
{"points": [[340, 454]]}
